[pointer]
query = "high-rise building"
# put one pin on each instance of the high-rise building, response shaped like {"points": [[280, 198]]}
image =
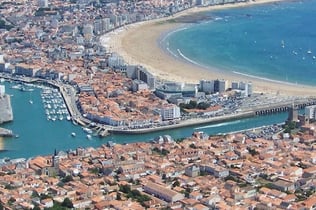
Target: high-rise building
{"points": [[207, 86], [220, 86], [310, 112], [293, 114]]}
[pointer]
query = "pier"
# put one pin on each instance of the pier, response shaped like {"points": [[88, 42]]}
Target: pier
{"points": [[283, 107], [6, 133]]}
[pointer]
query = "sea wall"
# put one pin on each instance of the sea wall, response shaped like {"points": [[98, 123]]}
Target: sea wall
{"points": [[6, 114], [185, 123]]}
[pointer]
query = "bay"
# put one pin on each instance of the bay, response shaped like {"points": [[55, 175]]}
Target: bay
{"points": [[273, 41]]}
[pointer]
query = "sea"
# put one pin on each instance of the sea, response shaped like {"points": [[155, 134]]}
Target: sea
{"points": [[39, 136], [274, 41]]}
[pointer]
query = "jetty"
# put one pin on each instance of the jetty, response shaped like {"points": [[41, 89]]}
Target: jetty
{"points": [[6, 133], [6, 114]]}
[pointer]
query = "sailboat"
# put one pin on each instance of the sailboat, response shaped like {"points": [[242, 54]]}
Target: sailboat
{"points": [[282, 44]]}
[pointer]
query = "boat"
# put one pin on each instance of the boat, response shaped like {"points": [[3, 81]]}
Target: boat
{"points": [[68, 117], [73, 134], [89, 137], [87, 130], [314, 57], [31, 102], [309, 52], [282, 44]]}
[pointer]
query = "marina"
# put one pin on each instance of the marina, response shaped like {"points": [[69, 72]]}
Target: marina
{"points": [[54, 105]]}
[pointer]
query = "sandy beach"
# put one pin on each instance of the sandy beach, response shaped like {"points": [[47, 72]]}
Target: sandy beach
{"points": [[138, 44]]}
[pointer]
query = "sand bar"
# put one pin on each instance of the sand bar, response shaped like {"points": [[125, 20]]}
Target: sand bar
{"points": [[138, 44]]}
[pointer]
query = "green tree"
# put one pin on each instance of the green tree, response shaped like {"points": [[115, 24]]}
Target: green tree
{"points": [[176, 184], [67, 203], [67, 178]]}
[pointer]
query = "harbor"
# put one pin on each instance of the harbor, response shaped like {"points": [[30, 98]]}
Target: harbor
{"points": [[38, 136]]}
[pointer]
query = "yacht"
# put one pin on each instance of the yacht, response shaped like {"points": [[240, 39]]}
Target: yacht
{"points": [[73, 134], [87, 130], [282, 44], [89, 137]]}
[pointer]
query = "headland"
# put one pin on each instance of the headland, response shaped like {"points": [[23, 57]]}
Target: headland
{"points": [[139, 44]]}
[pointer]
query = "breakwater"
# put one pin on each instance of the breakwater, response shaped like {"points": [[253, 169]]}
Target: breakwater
{"points": [[6, 114]]}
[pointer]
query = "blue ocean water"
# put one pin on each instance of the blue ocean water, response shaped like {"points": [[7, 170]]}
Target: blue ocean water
{"points": [[38, 136], [273, 41]]}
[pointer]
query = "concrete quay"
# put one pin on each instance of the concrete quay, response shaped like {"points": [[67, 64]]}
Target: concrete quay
{"points": [[6, 114], [185, 123], [6, 133]]}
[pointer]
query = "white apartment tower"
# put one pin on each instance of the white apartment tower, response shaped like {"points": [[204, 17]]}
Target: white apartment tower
{"points": [[310, 112]]}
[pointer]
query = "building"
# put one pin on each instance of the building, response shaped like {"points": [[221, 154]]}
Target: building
{"points": [[138, 85], [220, 86], [115, 61], [284, 186], [162, 192], [207, 86], [192, 171], [215, 170], [26, 70], [246, 87], [310, 112], [293, 114], [235, 85], [170, 112]]}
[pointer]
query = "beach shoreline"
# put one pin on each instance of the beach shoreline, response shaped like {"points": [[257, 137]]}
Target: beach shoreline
{"points": [[140, 44]]}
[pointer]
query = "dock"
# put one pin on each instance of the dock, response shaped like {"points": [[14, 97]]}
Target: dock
{"points": [[6, 133], [6, 114]]}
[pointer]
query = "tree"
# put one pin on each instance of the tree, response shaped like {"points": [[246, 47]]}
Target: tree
{"points": [[176, 184], [36, 207], [67, 178], [67, 203], [203, 105]]}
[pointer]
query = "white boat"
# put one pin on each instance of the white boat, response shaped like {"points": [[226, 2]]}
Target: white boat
{"points": [[89, 137], [68, 118], [31, 102], [282, 44], [73, 134], [309, 52], [87, 130]]}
